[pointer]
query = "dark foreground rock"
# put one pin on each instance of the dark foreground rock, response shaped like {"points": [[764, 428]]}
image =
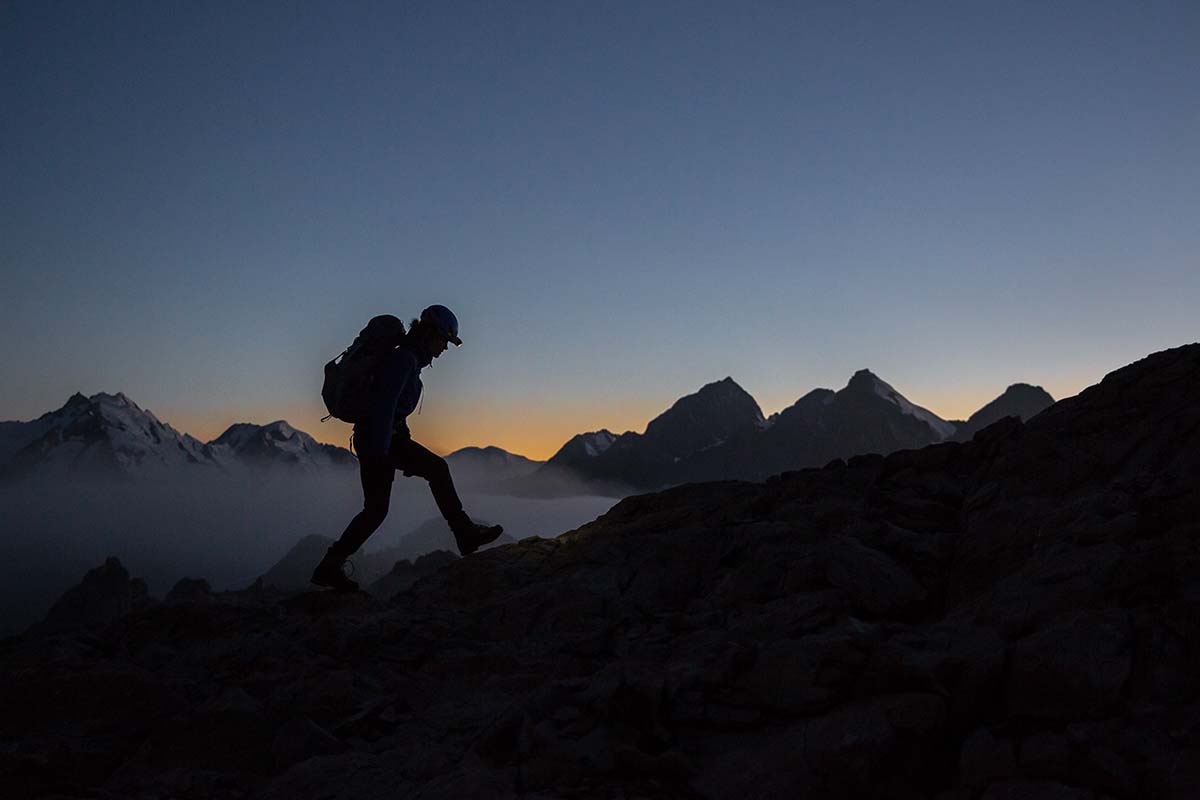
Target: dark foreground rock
{"points": [[1011, 617]]}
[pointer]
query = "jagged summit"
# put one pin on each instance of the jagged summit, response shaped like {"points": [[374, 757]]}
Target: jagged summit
{"points": [[105, 435], [716, 412], [276, 445], [582, 447], [866, 381], [109, 436], [76, 400]]}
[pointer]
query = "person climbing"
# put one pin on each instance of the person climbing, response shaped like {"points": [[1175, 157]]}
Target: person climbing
{"points": [[384, 445]]}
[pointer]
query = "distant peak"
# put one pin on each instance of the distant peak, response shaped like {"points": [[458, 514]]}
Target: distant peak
{"points": [[118, 399], [724, 385], [76, 400], [1026, 388], [865, 379]]}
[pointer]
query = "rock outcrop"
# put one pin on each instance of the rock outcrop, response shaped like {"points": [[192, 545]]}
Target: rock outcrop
{"points": [[106, 593], [1010, 617]]}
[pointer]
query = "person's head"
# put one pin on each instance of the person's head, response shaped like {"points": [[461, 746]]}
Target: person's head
{"points": [[436, 328]]}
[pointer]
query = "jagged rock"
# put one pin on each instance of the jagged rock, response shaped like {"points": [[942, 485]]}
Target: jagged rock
{"points": [[301, 739], [875, 583], [986, 759], [325, 601], [105, 594], [189, 590], [1073, 670], [405, 573]]}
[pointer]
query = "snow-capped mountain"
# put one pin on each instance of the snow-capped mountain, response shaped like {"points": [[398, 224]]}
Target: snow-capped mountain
{"points": [[941, 428], [110, 436], [582, 448], [276, 445], [101, 435]]}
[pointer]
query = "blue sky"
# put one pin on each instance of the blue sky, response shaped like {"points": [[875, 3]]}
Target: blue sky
{"points": [[200, 203]]}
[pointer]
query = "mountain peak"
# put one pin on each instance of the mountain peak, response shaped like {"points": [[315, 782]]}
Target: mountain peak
{"points": [[279, 429], [716, 412], [118, 399], [1021, 400], [277, 444], [865, 381], [77, 400]]}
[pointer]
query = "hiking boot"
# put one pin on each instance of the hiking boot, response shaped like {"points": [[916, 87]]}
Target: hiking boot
{"points": [[329, 572], [474, 536]]}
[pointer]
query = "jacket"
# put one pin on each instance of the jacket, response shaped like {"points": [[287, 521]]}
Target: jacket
{"points": [[394, 396]]}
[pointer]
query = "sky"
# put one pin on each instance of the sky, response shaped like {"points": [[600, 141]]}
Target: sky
{"points": [[201, 203]]}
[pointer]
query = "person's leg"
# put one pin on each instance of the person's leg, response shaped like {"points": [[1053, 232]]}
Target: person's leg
{"points": [[376, 476], [416, 460]]}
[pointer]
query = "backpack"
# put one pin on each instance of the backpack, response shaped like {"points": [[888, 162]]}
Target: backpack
{"points": [[350, 376]]}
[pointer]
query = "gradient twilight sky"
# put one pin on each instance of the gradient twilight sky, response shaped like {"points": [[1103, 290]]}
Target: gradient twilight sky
{"points": [[201, 203]]}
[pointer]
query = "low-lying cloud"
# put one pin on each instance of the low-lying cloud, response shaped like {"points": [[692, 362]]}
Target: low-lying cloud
{"points": [[225, 530]]}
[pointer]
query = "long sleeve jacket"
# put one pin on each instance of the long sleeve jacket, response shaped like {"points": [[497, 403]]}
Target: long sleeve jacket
{"points": [[394, 396]]}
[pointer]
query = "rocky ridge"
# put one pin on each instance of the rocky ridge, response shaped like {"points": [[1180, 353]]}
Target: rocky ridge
{"points": [[1013, 616]]}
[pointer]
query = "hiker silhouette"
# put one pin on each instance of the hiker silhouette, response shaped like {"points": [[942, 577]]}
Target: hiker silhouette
{"points": [[384, 445]]}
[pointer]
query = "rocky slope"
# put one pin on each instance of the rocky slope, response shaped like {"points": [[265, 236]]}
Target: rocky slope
{"points": [[1011, 617], [293, 570]]}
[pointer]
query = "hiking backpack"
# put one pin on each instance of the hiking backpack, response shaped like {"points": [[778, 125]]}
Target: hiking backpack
{"points": [[350, 377]]}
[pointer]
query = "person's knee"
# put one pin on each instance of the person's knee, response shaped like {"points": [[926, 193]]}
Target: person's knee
{"points": [[375, 513], [439, 470]]}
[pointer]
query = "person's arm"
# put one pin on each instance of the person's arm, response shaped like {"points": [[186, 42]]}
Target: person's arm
{"points": [[392, 377]]}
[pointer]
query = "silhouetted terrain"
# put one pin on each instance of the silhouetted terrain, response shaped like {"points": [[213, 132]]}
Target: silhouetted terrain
{"points": [[1019, 400], [719, 433], [292, 572], [1013, 616]]}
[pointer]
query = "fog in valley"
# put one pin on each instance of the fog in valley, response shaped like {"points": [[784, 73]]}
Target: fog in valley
{"points": [[225, 530]]}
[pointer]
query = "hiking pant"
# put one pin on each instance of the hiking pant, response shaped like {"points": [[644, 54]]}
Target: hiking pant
{"points": [[377, 475]]}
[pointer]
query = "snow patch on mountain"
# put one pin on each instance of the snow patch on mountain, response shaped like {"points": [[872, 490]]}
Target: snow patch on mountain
{"points": [[940, 426], [101, 434], [596, 442], [275, 445]]}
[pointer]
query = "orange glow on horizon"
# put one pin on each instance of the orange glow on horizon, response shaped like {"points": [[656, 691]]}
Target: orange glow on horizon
{"points": [[442, 431], [508, 425]]}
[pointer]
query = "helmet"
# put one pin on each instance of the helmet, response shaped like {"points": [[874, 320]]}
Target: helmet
{"points": [[442, 320]]}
